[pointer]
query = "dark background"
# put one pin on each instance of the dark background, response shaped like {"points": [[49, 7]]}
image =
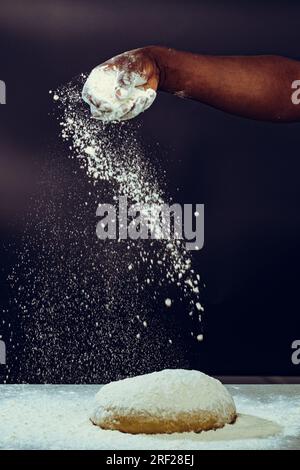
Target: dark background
{"points": [[245, 172]]}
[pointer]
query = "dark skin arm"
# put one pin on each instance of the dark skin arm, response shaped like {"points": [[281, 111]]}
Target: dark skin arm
{"points": [[256, 87]]}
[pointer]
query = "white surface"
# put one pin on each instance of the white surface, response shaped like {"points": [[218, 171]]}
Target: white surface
{"points": [[56, 417]]}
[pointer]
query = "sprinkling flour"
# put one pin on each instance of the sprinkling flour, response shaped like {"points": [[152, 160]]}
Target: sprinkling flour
{"points": [[111, 102], [120, 160], [91, 310]]}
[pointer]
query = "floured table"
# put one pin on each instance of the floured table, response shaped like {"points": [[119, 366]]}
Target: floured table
{"points": [[57, 417]]}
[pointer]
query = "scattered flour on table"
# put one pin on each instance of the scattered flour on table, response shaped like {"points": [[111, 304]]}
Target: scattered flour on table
{"points": [[56, 417]]}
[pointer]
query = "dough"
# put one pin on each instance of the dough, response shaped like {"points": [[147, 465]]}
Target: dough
{"points": [[172, 400]]}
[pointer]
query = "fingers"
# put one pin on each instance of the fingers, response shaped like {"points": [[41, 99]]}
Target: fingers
{"points": [[106, 112], [125, 110], [126, 81], [111, 113], [115, 94], [140, 105]]}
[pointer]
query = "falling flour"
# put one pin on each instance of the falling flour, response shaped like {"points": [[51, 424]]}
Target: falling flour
{"points": [[114, 154], [88, 310]]}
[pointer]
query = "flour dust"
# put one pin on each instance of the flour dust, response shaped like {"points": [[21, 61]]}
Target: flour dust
{"points": [[120, 159], [92, 310]]}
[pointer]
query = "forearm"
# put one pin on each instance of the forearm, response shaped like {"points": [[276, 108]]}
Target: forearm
{"points": [[258, 87]]}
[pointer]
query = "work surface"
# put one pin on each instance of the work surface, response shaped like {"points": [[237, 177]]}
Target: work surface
{"points": [[57, 417]]}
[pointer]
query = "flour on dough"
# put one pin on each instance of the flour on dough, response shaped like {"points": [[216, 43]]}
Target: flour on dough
{"points": [[172, 400]]}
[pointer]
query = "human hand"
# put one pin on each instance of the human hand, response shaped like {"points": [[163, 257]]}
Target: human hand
{"points": [[122, 87]]}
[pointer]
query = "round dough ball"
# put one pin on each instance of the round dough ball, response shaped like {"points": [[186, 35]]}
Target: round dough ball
{"points": [[172, 400]]}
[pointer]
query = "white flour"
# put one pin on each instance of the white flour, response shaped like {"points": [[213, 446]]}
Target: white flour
{"points": [[89, 290], [113, 154], [57, 417], [114, 97], [165, 393]]}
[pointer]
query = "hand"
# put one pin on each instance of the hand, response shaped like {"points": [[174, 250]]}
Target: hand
{"points": [[122, 87]]}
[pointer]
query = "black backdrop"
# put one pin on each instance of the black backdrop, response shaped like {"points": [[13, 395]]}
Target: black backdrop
{"points": [[245, 172]]}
